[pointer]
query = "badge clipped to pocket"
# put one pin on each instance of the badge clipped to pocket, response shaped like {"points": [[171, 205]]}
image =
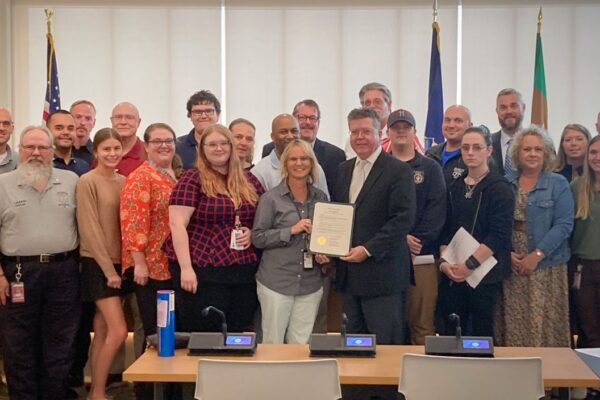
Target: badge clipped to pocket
{"points": [[233, 244], [17, 292], [307, 259]]}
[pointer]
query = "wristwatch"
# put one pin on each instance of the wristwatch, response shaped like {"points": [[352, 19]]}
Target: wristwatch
{"points": [[539, 253]]}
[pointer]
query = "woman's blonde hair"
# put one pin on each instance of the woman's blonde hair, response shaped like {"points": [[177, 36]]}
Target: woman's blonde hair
{"points": [[586, 191], [234, 184], [561, 157], [312, 176]]}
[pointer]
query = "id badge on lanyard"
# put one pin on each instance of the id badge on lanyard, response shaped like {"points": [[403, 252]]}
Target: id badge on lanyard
{"points": [[17, 289], [233, 243]]}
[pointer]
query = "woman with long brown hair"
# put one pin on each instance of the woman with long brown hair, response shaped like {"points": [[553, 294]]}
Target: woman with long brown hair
{"points": [[100, 247], [210, 254]]}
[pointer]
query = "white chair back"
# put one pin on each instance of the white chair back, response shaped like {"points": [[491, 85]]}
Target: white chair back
{"points": [[268, 380], [465, 378]]}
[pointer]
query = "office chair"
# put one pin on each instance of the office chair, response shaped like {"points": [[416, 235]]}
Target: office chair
{"points": [[466, 378], [268, 380]]}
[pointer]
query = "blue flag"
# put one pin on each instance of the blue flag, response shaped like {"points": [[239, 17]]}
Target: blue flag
{"points": [[435, 108], [52, 101]]}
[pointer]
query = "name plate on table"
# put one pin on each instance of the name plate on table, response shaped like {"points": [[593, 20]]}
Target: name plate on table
{"points": [[332, 228]]}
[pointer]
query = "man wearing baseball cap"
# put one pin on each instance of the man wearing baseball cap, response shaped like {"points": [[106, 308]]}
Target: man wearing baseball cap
{"points": [[430, 216]]}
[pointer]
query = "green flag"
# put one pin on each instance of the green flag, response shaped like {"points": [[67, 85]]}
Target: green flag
{"points": [[539, 104]]}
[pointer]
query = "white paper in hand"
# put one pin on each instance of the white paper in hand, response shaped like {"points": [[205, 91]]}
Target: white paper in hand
{"points": [[462, 247]]}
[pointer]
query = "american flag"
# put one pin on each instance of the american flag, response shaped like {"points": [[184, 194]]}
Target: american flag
{"points": [[52, 102]]}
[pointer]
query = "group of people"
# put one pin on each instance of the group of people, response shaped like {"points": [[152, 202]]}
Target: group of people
{"points": [[86, 222]]}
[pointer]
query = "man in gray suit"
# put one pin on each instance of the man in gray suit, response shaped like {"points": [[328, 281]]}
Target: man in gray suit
{"points": [[510, 108]]}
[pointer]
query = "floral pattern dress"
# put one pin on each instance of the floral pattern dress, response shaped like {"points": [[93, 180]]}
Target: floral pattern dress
{"points": [[534, 310]]}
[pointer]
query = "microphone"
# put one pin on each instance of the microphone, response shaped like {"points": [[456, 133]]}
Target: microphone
{"points": [[344, 322], [208, 309], [454, 317]]}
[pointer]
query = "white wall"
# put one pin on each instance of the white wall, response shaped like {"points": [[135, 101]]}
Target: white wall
{"points": [[156, 57]]}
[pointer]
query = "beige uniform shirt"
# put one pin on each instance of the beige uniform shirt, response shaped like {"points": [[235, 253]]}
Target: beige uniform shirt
{"points": [[33, 223]]}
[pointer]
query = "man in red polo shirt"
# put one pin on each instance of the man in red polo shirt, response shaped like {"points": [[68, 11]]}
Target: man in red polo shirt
{"points": [[125, 118]]}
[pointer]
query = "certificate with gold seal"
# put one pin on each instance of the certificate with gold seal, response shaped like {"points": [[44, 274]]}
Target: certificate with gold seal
{"points": [[331, 228]]}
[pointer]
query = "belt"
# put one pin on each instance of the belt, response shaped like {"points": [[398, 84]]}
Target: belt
{"points": [[43, 258]]}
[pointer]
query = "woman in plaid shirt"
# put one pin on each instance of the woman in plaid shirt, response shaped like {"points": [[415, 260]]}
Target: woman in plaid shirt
{"points": [[211, 258]]}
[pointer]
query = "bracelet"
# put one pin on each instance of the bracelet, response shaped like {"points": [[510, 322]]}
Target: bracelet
{"points": [[472, 263]]}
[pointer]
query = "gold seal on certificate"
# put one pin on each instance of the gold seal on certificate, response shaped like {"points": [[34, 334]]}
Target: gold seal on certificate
{"points": [[331, 228]]}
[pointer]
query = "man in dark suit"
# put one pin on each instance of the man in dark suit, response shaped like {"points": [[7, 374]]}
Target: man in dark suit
{"points": [[374, 275], [510, 108], [308, 114]]}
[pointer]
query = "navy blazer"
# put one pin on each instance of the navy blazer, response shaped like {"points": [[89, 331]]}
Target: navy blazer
{"points": [[384, 214], [328, 156], [497, 153]]}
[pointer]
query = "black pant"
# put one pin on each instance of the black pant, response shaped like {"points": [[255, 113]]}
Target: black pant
{"points": [[475, 307], [39, 333], [237, 300], [381, 315]]}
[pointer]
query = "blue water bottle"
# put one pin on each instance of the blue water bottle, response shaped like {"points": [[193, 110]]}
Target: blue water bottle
{"points": [[165, 322]]}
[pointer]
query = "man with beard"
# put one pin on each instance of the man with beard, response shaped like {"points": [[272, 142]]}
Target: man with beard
{"points": [[510, 108], [40, 299], [84, 114], [457, 119], [62, 126], [284, 129], [308, 114], [8, 159]]}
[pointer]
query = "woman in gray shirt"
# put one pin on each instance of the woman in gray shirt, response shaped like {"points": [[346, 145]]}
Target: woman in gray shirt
{"points": [[289, 281]]}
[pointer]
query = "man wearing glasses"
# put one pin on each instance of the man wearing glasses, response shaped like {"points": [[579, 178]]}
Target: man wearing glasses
{"points": [[40, 299], [203, 109], [8, 159], [125, 119], [374, 275], [308, 114]]}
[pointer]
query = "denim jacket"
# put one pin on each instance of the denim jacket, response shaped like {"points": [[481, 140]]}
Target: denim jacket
{"points": [[549, 212]]}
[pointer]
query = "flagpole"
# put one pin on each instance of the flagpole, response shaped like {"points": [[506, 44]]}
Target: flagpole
{"points": [[49, 15], [435, 10], [540, 16]]}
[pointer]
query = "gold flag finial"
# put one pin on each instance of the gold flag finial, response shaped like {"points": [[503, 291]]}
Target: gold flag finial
{"points": [[49, 15], [435, 10], [540, 16]]}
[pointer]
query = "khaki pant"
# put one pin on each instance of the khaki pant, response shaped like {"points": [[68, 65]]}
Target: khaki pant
{"points": [[421, 303]]}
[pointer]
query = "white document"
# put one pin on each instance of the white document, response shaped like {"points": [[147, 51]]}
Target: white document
{"points": [[462, 247], [591, 357], [423, 260]]}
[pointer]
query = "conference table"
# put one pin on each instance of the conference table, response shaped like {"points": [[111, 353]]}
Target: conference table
{"points": [[561, 367]]}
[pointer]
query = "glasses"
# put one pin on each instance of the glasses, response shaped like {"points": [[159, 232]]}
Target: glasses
{"points": [[215, 145], [126, 117], [31, 148], [159, 142], [474, 147], [311, 118], [209, 112], [361, 132], [6, 124]]}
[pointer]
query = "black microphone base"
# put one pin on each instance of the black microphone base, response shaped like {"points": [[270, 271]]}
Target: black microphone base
{"points": [[465, 346], [323, 345], [212, 343]]}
